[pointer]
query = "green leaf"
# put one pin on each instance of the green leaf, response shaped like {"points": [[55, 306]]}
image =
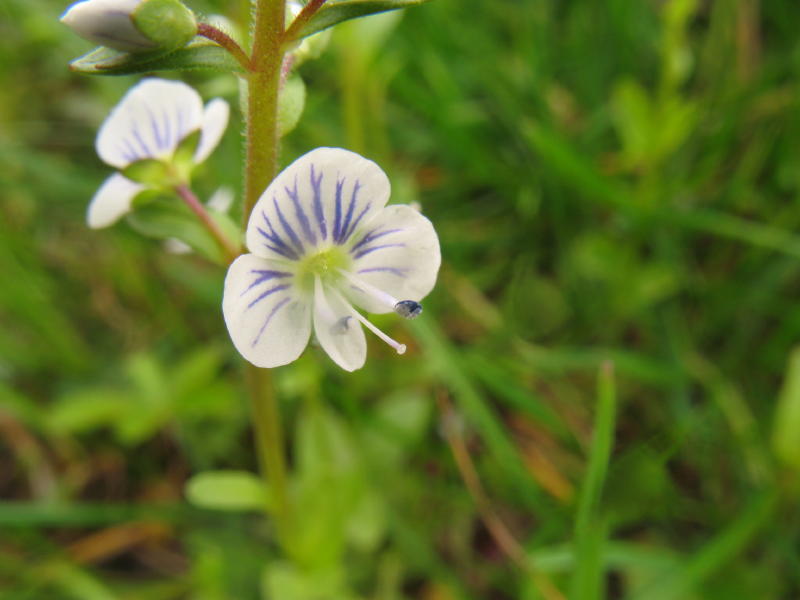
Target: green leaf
{"points": [[286, 581], [344, 10], [590, 525], [87, 410], [227, 490], [105, 61], [290, 104], [786, 429], [167, 218]]}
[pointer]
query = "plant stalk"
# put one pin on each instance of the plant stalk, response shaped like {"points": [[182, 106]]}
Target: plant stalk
{"points": [[229, 248], [261, 141], [262, 101]]}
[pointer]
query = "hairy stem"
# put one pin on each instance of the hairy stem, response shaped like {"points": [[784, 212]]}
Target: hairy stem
{"points": [[229, 248], [262, 101], [226, 41], [261, 140]]}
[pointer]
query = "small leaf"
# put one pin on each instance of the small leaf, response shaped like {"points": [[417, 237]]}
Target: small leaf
{"points": [[165, 218], [336, 12], [227, 490], [290, 104], [105, 61], [786, 428]]}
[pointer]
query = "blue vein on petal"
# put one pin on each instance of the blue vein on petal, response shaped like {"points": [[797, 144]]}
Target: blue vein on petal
{"points": [[129, 150], [154, 126], [288, 228], [269, 292], [179, 131], [279, 246], [371, 236], [392, 270], [138, 137], [366, 251], [349, 216], [337, 217], [357, 221], [265, 275], [316, 183], [301, 215], [274, 310]]}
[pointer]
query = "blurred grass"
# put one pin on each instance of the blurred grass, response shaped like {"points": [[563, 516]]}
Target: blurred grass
{"points": [[612, 183]]}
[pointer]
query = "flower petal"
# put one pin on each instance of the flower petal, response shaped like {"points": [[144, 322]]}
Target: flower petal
{"points": [[111, 201], [149, 122], [319, 200], [268, 321], [215, 120], [108, 23], [397, 252], [337, 329]]}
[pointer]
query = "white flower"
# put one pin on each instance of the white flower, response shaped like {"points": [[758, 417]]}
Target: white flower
{"points": [[150, 122], [323, 239], [132, 25]]}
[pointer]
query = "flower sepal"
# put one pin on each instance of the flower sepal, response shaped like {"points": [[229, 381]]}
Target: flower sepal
{"points": [[166, 23], [183, 161], [151, 172]]}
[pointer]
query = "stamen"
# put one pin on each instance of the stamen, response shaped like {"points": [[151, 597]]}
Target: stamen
{"points": [[400, 348], [342, 325], [371, 290]]}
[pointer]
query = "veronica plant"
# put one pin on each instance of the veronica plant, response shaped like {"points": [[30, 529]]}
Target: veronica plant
{"points": [[321, 237]]}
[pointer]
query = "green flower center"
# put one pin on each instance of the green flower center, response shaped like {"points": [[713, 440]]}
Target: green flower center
{"points": [[325, 265]]}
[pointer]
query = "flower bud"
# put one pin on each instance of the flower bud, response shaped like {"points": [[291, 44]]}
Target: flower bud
{"points": [[132, 25]]}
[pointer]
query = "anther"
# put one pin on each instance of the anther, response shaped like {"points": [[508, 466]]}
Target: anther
{"points": [[410, 309]]}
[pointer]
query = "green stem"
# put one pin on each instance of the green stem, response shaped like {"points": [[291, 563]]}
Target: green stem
{"points": [[269, 442], [262, 101], [261, 139]]}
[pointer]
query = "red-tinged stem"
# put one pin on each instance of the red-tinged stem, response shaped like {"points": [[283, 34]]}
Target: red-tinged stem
{"points": [[226, 41], [229, 248], [305, 15]]}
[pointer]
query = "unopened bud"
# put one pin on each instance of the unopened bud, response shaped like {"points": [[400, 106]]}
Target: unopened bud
{"points": [[133, 25]]}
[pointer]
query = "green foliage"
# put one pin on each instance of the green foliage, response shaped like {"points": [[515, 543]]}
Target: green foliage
{"points": [[290, 104], [786, 428], [197, 56], [227, 490], [610, 181], [338, 11]]}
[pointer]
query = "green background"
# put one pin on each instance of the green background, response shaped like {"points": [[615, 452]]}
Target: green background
{"points": [[609, 347]]}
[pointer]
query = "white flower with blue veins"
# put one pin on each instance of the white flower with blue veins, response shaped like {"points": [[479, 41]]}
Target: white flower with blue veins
{"points": [[150, 123], [323, 240]]}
